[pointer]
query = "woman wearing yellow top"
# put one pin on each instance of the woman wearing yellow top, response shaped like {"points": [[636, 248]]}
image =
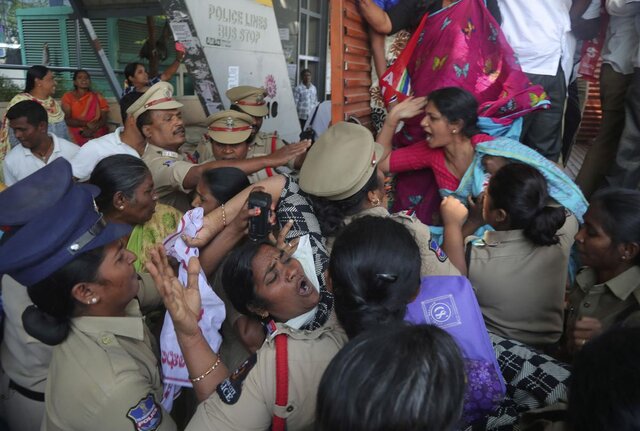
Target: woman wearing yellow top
{"points": [[127, 196], [40, 87]]}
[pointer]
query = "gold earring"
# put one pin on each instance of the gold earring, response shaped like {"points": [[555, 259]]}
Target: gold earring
{"points": [[375, 202], [455, 130], [121, 207]]}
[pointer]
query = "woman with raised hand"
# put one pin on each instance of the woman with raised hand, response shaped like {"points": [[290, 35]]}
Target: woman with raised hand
{"points": [[137, 78], [281, 284], [340, 181], [457, 152]]}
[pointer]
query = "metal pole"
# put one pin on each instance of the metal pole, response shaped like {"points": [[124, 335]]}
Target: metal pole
{"points": [[81, 15]]}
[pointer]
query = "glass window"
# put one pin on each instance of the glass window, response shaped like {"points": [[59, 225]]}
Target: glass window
{"points": [[314, 5], [303, 35], [314, 37]]}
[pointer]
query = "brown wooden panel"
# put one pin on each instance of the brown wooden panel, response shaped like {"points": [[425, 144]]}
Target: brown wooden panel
{"points": [[360, 59], [356, 33], [358, 113], [356, 97], [350, 6], [359, 43], [360, 52], [350, 63], [355, 17], [355, 66], [357, 106], [337, 41], [592, 115], [355, 74], [357, 83]]}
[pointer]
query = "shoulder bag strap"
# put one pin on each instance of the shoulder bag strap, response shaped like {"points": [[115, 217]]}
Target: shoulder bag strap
{"points": [[282, 381]]}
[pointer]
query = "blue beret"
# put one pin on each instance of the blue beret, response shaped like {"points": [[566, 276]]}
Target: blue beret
{"points": [[60, 233], [28, 197]]}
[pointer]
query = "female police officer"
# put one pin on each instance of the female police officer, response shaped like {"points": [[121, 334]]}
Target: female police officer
{"points": [[103, 373]]}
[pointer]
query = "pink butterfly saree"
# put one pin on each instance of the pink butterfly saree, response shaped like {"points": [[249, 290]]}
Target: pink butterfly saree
{"points": [[458, 46]]}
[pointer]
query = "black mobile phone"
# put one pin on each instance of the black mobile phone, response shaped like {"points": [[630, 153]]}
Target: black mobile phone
{"points": [[259, 225]]}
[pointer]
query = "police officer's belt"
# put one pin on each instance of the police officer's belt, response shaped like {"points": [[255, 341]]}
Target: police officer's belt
{"points": [[28, 393]]}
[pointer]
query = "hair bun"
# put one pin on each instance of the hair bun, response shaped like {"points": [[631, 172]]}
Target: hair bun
{"points": [[44, 327]]}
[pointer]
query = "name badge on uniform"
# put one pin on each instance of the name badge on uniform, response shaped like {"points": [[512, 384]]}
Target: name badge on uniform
{"points": [[230, 389], [146, 415], [167, 153], [439, 252], [271, 329]]}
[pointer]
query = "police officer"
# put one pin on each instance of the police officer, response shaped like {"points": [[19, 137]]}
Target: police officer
{"points": [[25, 360], [159, 119], [228, 139], [341, 165], [103, 373], [250, 100]]}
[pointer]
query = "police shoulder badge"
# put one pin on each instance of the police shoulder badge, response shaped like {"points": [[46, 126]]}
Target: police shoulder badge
{"points": [[146, 415], [230, 389], [435, 248]]}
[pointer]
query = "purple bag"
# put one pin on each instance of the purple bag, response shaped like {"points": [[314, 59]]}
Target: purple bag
{"points": [[449, 302]]}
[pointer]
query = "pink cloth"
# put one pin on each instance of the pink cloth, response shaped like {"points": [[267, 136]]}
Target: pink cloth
{"points": [[419, 156], [462, 46]]}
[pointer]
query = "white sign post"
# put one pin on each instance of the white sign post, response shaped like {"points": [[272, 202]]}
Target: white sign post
{"points": [[241, 42]]}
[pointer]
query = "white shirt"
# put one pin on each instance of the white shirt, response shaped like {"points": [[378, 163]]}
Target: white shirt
{"points": [[322, 119], [631, 10], [97, 149], [539, 31], [20, 162]]}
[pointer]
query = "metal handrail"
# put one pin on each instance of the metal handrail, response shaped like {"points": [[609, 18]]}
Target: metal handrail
{"points": [[92, 70]]}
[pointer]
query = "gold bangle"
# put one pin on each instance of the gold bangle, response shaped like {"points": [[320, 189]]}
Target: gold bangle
{"points": [[224, 216], [206, 373]]}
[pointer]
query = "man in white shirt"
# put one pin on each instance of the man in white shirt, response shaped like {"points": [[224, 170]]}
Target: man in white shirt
{"points": [[540, 34], [305, 96], [625, 171], [37, 147], [618, 53], [126, 139]]}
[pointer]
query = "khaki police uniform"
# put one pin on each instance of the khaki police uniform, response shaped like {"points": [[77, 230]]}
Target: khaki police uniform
{"points": [[25, 362], [340, 164], [434, 259], [520, 286], [263, 145], [168, 168], [105, 375], [249, 404], [249, 99], [611, 302]]}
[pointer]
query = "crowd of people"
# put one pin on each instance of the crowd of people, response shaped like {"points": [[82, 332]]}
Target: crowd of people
{"points": [[243, 282]]}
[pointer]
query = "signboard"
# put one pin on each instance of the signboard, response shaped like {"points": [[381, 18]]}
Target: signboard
{"points": [[241, 42]]}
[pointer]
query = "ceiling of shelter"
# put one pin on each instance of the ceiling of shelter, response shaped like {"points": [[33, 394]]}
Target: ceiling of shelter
{"points": [[120, 8]]}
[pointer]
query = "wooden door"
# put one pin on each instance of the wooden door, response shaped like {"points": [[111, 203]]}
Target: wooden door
{"points": [[350, 64]]}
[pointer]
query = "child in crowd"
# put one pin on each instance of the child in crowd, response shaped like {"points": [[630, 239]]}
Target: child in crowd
{"points": [[217, 186]]}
